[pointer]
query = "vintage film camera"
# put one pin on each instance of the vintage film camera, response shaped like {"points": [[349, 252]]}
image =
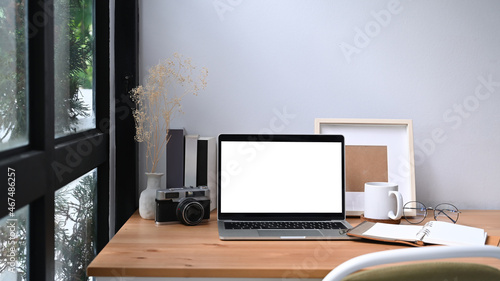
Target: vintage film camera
{"points": [[189, 205]]}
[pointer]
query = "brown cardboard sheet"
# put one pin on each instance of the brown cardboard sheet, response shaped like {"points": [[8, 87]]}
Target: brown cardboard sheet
{"points": [[365, 164]]}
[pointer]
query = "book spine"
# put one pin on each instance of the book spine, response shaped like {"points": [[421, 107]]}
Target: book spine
{"points": [[175, 158], [206, 174], [190, 159], [201, 162]]}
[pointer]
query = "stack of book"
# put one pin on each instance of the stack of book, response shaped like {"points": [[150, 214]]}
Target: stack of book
{"points": [[192, 161]]}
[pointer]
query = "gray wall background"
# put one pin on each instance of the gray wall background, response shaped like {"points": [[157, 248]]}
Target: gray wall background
{"points": [[277, 65]]}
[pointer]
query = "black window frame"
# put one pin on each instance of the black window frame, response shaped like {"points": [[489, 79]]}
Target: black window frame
{"points": [[126, 77], [34, 164]]}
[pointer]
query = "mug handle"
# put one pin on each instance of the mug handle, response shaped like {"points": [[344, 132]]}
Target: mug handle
{"points": [[399, 204]]}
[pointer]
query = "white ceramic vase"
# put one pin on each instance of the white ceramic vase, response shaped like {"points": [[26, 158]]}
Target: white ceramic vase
{"points": [[147, 198]]}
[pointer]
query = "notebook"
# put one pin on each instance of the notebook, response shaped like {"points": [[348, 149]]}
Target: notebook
{"points": [[281, 187], [433, 232]]}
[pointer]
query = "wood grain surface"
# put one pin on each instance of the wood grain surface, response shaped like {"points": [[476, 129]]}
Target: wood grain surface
{"points": [[142, 248]]}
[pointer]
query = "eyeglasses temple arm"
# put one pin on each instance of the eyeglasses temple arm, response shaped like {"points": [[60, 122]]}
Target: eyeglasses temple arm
{"points": [[442, 211]]}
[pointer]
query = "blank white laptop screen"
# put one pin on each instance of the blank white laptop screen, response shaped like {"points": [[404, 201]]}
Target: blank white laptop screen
{"points": [[281, 177]]}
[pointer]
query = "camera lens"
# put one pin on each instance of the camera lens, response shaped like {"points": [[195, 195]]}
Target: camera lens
{"points": [[190, 212]]}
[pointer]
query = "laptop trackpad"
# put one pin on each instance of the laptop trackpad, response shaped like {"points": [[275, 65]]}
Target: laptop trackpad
{"points": [[289, 233]]}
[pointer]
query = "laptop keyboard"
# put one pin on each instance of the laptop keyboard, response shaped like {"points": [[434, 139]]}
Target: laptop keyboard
{"points": [[284, 225]]}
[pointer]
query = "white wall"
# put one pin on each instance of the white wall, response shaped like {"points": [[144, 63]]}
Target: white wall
{"points": [[436, 62]]}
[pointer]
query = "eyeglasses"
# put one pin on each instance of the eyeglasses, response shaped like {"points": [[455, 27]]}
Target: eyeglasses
{"points": [[415, 212]]}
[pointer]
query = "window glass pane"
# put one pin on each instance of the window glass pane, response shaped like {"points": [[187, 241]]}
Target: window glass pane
{"points": [[73, 66], [13, 94], [14, 244], [74, 227]]}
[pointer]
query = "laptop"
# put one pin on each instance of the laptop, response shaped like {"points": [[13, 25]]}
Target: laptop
{"points": [[281, 187]]}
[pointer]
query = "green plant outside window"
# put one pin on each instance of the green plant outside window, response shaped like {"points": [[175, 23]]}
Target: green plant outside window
{"points": [[13, 75], [73, 66]]}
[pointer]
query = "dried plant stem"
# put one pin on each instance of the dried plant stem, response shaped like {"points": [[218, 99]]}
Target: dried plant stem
{"points": [[159, 100]]}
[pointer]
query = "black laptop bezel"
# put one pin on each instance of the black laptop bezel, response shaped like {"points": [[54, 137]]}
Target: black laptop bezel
{"points": [[280, 216]]}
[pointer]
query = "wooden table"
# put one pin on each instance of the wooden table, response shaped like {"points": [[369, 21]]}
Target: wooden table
{"points": [[142, 248]]}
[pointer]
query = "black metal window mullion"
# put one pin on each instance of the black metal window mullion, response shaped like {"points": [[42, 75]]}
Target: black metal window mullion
{"points": [[103, 122], [41, 117], [79, 155], [126, 62]]}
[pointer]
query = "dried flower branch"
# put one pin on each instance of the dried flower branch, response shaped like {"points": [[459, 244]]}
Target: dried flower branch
{"points": [[159, 100]]}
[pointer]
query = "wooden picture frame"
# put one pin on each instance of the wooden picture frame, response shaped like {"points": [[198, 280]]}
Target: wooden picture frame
{"points": [[395, 135]]}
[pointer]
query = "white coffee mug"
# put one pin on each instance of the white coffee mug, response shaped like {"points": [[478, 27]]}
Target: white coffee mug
{"points": [[383, 201]]}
